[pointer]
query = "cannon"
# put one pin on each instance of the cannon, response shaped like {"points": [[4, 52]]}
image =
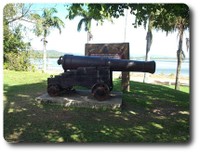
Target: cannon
{"points": [[92, 72]]}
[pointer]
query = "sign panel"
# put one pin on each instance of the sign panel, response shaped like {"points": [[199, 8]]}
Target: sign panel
{"points": [[111, 50]]}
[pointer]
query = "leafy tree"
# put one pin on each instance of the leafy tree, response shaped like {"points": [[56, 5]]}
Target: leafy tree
{"points": [[44, 24], [165, 17], [16, 56], [16, 11], [146, 13], [13, 40], [16, 52], [175, 17]]}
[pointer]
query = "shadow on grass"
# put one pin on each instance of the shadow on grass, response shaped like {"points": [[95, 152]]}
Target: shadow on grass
{"points": [[150, 113]]}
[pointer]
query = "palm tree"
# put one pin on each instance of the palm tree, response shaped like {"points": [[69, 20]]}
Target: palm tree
{"points": [[45, 23], [180, 25], [87, 21], [89, 12], [83, 11]]}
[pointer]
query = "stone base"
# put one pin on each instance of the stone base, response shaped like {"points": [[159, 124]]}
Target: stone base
{"points": [[82, 98]]}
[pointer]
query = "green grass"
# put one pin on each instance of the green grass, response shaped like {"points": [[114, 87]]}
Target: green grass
{"points": [[182, 88], [150, 113]]}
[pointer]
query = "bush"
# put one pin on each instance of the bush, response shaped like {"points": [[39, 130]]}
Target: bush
{"points": [[18, 61]]}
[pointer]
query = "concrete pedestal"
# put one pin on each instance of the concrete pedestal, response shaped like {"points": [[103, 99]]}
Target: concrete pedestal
{"points": [[82, 98]]}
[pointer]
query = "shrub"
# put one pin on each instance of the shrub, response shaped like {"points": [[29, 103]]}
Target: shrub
{"points": [[18, 61]]}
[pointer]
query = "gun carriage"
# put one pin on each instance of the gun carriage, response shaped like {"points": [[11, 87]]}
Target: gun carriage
{"points": [[92, 72]]}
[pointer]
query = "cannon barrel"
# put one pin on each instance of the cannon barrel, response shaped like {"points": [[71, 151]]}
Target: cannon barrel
{"points": [[74, 62]]}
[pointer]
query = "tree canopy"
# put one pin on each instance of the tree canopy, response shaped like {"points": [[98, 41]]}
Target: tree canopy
{"points": [[165, 15], [44, 24], [47, 21], [16, 56], [13, 37], [16, 11]]}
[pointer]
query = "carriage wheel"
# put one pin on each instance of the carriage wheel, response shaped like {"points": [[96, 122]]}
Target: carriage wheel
{"points": [[53, 90], [100, 91]]}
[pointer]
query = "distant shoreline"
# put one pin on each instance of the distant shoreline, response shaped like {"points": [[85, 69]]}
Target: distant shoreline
{"points": [[131, 58]]}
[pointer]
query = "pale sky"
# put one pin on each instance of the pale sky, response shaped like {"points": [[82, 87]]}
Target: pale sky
{"points": [[73, 42]]}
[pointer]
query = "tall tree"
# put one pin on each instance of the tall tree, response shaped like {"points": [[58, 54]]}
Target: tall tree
{"points": [[43, 26], [145, 15], [168, 18], [16, 50], [165, 17], [88, 12], [13, 38], [149, 39], [86, 20], [17, 11], [175, 17], [181, 24]]}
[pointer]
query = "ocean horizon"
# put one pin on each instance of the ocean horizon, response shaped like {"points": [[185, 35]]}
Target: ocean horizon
{"points": [[163, 66]]}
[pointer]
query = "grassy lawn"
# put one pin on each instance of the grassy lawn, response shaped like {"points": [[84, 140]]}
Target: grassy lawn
{"points": [[150, 113]]}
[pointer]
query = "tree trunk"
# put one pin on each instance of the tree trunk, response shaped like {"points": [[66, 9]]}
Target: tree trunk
{"points": [[88, 37], [125, 81], [178, 70], [148, 46], [44, 55], [146, 75], [179, 58]]}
